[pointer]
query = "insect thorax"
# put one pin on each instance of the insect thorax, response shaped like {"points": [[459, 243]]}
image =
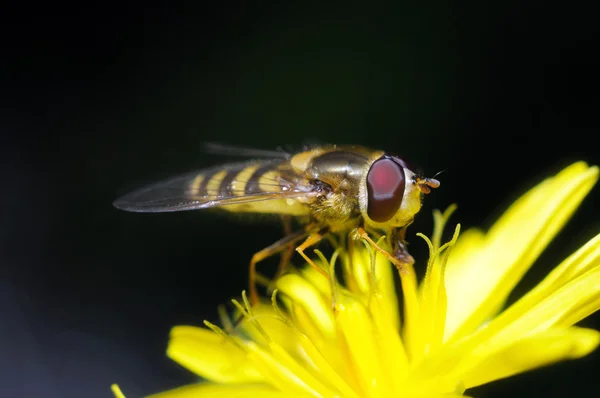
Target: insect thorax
{"points": [[340, 171]]}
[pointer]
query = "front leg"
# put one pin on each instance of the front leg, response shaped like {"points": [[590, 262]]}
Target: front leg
{"points": [[398, 245], [400, 258]]}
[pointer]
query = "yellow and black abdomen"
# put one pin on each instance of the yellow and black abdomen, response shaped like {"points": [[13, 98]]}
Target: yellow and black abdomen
{"points": [[265, 181]]}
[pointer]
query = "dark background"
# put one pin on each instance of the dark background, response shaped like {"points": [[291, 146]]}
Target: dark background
{"points": [[96, 100]]}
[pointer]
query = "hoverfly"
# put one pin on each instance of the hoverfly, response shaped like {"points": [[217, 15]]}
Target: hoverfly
{"points": [[327, 188]]}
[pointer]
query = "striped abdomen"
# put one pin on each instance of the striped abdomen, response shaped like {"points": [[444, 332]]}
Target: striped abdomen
{"points": [[240, 180]]}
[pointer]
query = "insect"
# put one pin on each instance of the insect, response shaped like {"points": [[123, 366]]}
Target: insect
{"points": [[327, 188]]}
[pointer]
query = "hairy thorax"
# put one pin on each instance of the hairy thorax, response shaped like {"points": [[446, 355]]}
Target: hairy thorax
{"points": [[338, 208]]}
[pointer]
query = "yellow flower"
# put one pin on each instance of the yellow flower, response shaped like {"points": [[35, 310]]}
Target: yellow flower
{"points": [[345, 337]]}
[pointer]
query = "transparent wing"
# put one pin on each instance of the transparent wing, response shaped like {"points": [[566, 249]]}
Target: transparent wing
{"points": [[229, 184], [282, 152], [229, 150]]}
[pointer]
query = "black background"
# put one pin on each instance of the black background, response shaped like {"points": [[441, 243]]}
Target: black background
{"points": [[96, 100]]}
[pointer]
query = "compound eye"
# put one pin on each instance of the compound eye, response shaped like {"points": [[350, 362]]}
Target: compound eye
{"points": [[385, 189], [402, 161]]}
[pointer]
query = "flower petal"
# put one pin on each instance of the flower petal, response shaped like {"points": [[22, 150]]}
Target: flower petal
{"points": [[325, 362], [270, 323], [334, 373], [478, 284], [310, 300], [381, 283], [211, 356], [561, 309], [432, 301], [117, 391], [578, 268], [355, 323], [584, 259], [568, 305], [394, 359], [285, 373], [532, 352], [468, 246], [209, 390]]}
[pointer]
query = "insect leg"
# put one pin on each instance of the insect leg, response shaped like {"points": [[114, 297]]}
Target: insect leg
{"points": [[313, 239], [268, 251], [399, 246], [399, 263], [286, 255]]}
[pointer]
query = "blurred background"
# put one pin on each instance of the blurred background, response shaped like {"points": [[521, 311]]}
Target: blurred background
{"points": [[98, 100]]}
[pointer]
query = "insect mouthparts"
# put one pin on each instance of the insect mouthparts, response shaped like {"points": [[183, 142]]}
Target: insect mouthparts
{"points": [[425, 184]]}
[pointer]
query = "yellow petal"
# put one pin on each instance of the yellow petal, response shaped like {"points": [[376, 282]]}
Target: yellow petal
{"points": [[436, 386], [581, 264], [394, 359], [209, 390], [567, 305], [317, 279], [286, 374], [309, 298], [433, 395], [333, 373], [532, 352], [270, 322], [584, 259], [298, 345], [375, 280], [478, 285], [361, 340], [117, 391], [432, 301], [211, 356], [469, 245], [564, 307], [429, 395]]}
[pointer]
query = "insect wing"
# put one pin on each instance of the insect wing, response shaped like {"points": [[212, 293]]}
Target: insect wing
{"points": [[229, 150], [220, 186]]}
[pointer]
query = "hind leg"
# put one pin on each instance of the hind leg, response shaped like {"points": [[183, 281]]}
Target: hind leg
{"points": [[274, 248], [286, 255]]}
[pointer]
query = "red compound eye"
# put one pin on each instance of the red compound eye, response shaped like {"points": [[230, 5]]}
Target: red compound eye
{"points": [[385, 189]]}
